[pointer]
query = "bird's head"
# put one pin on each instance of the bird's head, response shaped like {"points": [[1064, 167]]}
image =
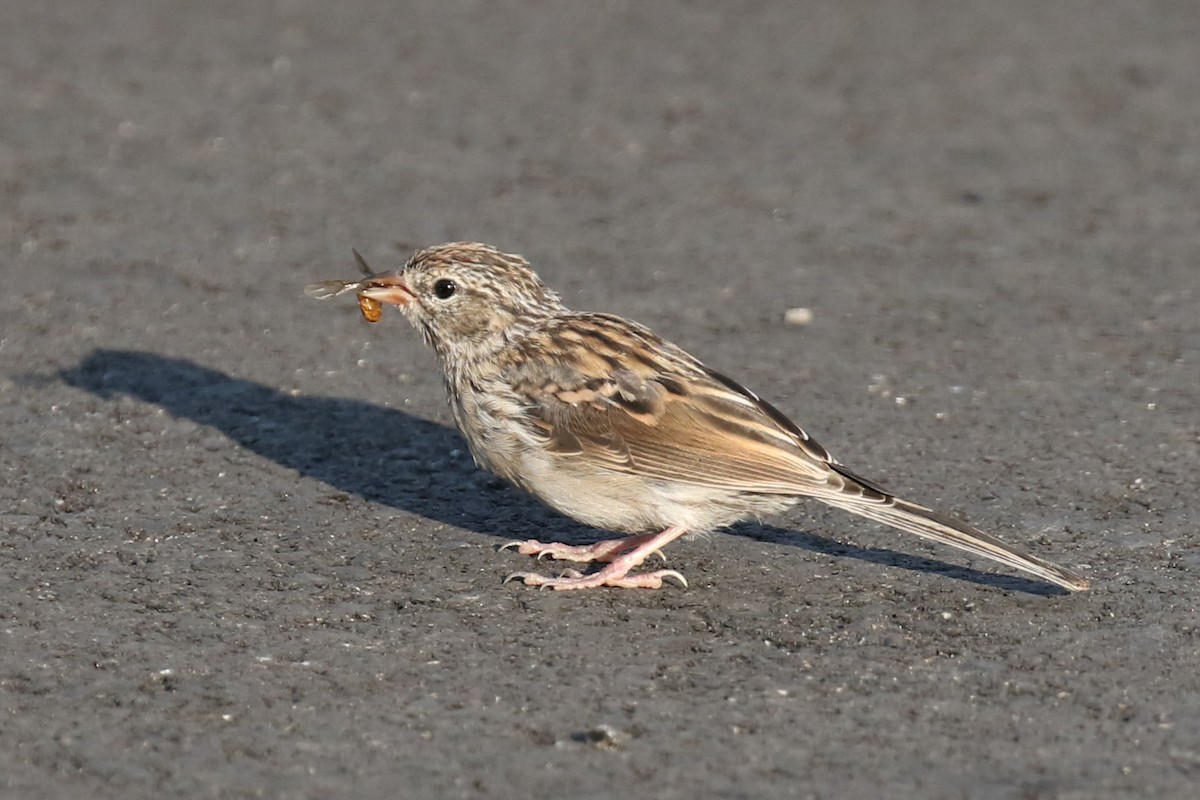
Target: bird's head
{"points": [[467, 299]]}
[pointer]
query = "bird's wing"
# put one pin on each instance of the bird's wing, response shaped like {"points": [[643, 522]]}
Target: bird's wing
{"points": [[612, 391]]}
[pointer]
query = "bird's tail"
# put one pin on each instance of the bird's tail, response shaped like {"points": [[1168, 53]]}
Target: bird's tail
{"points": [[929, 524]]}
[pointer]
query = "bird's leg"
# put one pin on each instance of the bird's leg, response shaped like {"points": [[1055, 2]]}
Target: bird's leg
{"points": [[604, 550], [616, 572]]}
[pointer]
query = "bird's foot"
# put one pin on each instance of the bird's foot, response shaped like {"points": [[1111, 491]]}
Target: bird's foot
{"points": [[621, 579], [622, 556], [604, 550]]}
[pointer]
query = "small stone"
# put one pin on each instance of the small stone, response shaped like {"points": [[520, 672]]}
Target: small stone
{"points": [[798, 316]]}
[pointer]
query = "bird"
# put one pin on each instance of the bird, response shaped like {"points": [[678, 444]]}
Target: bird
{"points": [[611, 425]]}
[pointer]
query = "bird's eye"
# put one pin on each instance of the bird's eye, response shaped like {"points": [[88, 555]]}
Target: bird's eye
{"points": [[445, 289]]}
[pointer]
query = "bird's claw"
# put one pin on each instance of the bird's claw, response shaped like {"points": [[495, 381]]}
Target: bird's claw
{"points": [[672, 574]]}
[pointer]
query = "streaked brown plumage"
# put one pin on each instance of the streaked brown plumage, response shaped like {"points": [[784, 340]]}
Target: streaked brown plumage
{"points": [[613, 426]]}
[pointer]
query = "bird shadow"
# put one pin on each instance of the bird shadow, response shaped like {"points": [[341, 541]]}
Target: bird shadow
{"points": [[388, 456]]}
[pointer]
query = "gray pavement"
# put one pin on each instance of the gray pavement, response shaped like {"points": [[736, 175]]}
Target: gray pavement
{"points": [[243, 553]]}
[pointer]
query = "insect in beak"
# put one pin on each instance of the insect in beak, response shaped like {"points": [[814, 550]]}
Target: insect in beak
{"points": [[373, 291]]}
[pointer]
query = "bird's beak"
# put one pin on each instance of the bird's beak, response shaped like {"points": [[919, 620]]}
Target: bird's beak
{"points": [[381, 287], [386, 287]]}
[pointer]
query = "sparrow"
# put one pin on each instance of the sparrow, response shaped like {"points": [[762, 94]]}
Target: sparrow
{"points": [[617, 428]]}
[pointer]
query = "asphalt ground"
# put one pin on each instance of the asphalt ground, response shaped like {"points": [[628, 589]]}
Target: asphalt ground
{"points": [[243, 553]]}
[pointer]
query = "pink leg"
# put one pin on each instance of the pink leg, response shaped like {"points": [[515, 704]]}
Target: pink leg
{"points": [[605, 550], [616, 572]]}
